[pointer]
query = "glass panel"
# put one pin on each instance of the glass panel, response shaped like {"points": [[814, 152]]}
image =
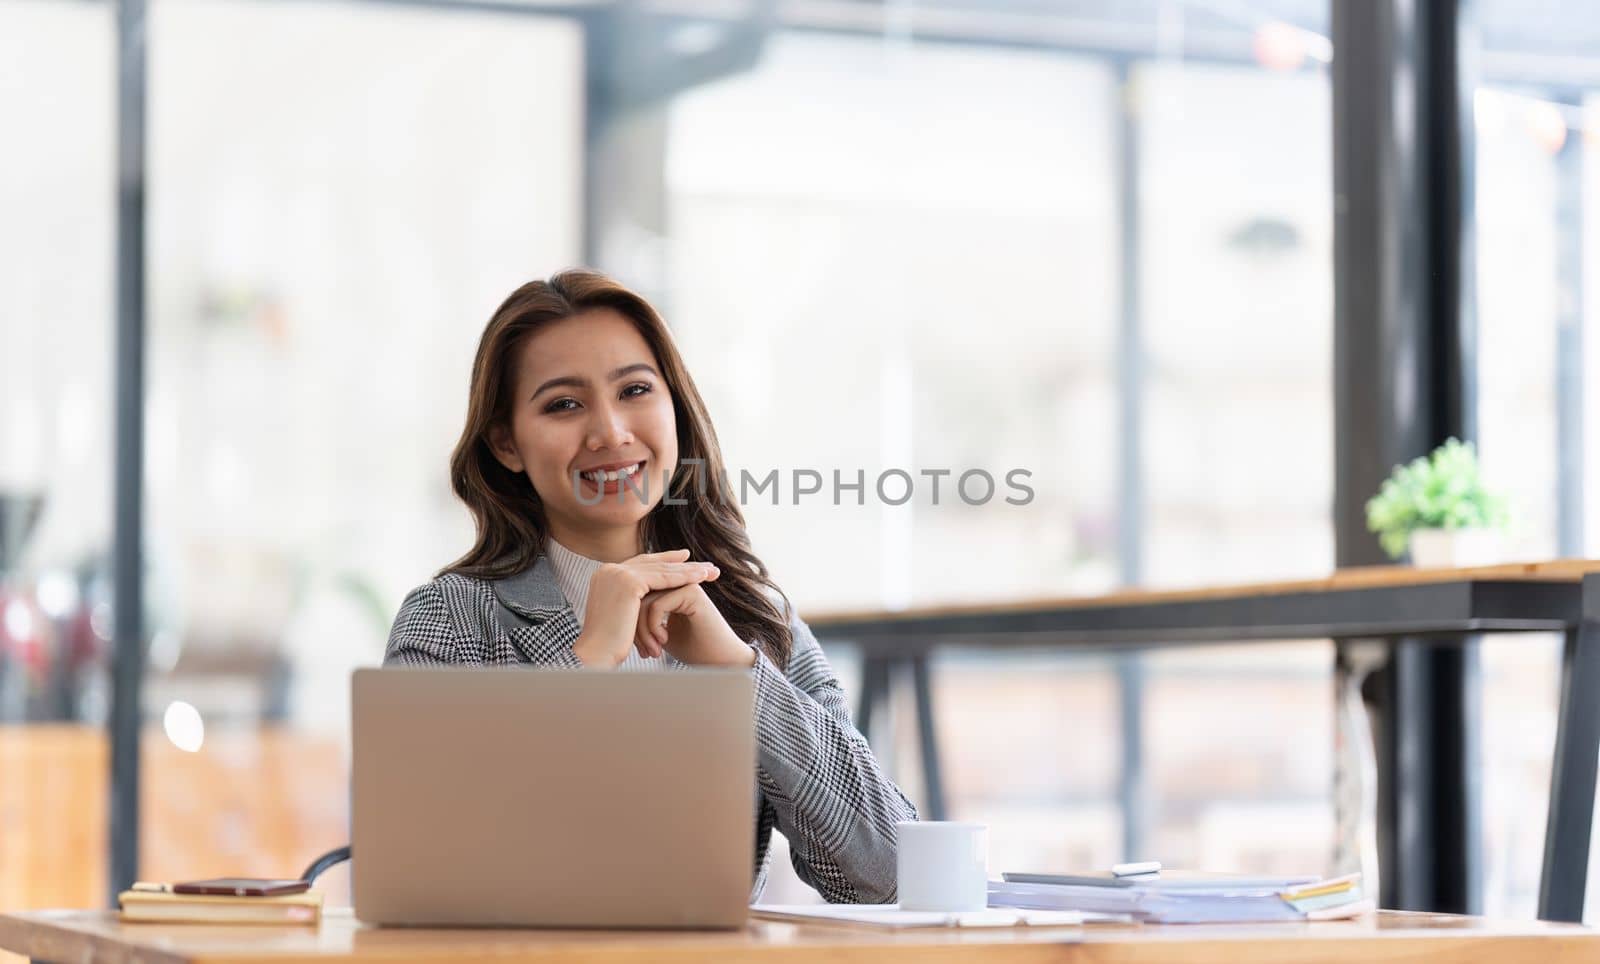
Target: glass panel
{"points": [[1538, 406], [1237, 288], [882, 288], [340, 195], [889, 253], [57, 176], [1236, 238], [901, 257]]}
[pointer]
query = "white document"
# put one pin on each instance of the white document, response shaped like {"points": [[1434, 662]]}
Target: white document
{"points": [[890, 915]]}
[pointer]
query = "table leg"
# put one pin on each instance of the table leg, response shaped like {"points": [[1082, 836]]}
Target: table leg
{"points": [[874, 690], [1572, 775], [928, 737]]}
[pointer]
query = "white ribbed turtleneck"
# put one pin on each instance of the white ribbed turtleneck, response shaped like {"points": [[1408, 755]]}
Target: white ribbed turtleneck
{"points": [[573, 573]]}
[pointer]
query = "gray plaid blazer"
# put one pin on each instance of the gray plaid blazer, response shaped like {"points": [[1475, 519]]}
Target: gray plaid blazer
{"points": [[818, 780]]}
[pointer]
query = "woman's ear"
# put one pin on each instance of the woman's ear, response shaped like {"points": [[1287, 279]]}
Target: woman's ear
{"points": [[504, 451]]}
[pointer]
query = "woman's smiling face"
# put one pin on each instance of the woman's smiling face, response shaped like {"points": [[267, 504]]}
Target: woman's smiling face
{"points": [[589, 395]]}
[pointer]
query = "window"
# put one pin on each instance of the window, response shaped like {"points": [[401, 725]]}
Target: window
{"points": [[57, 183]]}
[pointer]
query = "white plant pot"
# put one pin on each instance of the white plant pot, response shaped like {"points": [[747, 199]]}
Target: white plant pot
{"points": [[1455, 548]]}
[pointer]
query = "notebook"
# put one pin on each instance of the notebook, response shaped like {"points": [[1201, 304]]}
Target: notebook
{"points": [[147, 906]]}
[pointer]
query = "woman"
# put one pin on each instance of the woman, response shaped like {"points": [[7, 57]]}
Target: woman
{"points": [[605, 541]]}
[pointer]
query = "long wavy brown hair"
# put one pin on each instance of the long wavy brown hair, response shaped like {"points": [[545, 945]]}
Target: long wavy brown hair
{"points": [[510, 519]]}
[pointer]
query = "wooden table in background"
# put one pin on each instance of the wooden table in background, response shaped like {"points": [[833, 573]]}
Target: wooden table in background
{"points": [[1400, 604], [1386, 936]]}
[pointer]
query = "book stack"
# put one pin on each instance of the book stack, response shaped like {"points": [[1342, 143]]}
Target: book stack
{"points": [[148, 905], [1188, 899]]}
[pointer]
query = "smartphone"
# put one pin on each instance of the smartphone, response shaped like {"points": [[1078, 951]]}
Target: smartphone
{"points": [[241, 887]]}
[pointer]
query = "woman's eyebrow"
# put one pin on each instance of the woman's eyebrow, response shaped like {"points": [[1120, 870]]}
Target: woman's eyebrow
{"points": [[578, 381]]}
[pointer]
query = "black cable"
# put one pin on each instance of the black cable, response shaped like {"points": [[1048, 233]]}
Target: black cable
{"points": [[336, 856]]}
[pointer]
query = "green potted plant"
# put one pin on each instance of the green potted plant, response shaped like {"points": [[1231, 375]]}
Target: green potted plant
{"points": [[1438, 507]]}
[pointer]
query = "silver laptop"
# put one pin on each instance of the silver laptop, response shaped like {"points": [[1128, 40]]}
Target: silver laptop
{"points": [[529, 798]]}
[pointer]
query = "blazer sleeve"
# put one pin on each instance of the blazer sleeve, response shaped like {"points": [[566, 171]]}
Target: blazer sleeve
{"points": [[423, 633], [833, 802]]}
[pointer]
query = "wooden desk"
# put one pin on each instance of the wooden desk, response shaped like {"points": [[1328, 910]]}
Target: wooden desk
{"points": [[1399, 604], [1387, 936]]}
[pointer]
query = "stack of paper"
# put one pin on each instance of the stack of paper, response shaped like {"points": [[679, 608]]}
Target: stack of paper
{"points": [[1188, 899]]}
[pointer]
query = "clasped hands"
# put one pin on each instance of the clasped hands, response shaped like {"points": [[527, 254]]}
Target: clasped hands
{"points": [[655, 603]]}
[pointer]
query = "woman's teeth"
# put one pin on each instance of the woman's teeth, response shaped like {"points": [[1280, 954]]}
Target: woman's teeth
{"points": [[613, 476]]}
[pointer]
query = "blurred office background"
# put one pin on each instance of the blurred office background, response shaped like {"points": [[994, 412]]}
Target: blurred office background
{"points": [[1088, 238]]}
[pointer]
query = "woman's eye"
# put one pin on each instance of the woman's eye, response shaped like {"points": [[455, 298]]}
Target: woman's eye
{"points": [[569, 404]]}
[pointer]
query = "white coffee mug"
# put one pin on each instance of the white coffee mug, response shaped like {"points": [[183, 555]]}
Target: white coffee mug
{"points": [[943, 865]]}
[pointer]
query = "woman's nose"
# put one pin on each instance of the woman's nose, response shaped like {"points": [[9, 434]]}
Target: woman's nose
{"points": [[607, 429]]}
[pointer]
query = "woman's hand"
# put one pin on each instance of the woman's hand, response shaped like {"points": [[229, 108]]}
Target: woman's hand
{"points": [[687, 624], [617, 591]]}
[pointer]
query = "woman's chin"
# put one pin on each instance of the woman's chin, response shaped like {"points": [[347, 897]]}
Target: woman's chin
{"points": [[629, 508]]}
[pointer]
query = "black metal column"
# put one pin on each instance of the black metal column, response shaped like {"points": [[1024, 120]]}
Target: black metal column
{"points": [[1429, 822], [1405, 366], [127, 666]]}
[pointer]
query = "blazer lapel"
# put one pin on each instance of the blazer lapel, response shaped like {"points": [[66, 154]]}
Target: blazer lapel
{"points": [[533, 592], [545, 624]]}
